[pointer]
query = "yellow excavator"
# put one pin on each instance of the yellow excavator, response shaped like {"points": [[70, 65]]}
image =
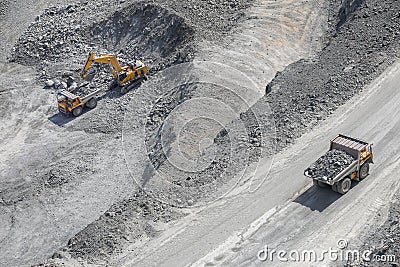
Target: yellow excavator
{"points": [[126, 77]]}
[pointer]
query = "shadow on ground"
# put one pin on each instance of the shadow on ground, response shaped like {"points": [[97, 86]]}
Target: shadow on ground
{"points": [[317, 198], [62, 120]]}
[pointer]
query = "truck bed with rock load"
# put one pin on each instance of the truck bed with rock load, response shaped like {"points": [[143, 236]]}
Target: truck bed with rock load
{"points": [[347, 159]]}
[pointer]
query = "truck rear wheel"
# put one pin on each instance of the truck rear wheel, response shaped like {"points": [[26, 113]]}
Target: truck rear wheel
{"points": [[319, 183], [364, 171], [343, 186], [92, 103], [77, 111]]}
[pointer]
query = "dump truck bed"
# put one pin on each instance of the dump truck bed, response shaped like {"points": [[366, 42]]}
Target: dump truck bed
{"points": [[330, 166], [337, 176], [348, 144]]}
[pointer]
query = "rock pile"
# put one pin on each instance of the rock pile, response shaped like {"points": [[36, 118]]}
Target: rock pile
{"points": [[67, 34], [125, 222], [68, 83], [330, 164], [160, 34]]}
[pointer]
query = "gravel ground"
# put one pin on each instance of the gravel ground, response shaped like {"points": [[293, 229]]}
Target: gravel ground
{"points": [[362, 42], [330, 164], [55, 42], [118, 227], [358, 48], [3, 9], [307, 91], [58, 41]]}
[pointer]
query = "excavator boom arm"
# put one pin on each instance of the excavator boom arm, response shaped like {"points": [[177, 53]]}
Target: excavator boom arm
{"points": [[88, 63], [104, 59]]}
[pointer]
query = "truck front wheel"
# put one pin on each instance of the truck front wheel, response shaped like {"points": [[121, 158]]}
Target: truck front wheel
{"points": [[364, 171], [343, 186]]}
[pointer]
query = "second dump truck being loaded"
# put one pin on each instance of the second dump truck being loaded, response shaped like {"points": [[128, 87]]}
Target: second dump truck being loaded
{"points": [[69, 103], [347, 159]]}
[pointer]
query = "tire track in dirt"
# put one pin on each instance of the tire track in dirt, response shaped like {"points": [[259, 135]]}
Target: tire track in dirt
{"points": [[274, 35]]}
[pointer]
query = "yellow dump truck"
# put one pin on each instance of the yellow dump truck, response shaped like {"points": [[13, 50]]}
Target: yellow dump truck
{"points": [[69, 103], [347, 159]]}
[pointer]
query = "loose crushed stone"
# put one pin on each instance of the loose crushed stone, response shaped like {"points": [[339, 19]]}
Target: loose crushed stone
{"points": [[3, 8], [330, 164], [57, 43]]}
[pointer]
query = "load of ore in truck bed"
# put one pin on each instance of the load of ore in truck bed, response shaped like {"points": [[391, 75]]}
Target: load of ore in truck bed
{"points": [[330, 164]]}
